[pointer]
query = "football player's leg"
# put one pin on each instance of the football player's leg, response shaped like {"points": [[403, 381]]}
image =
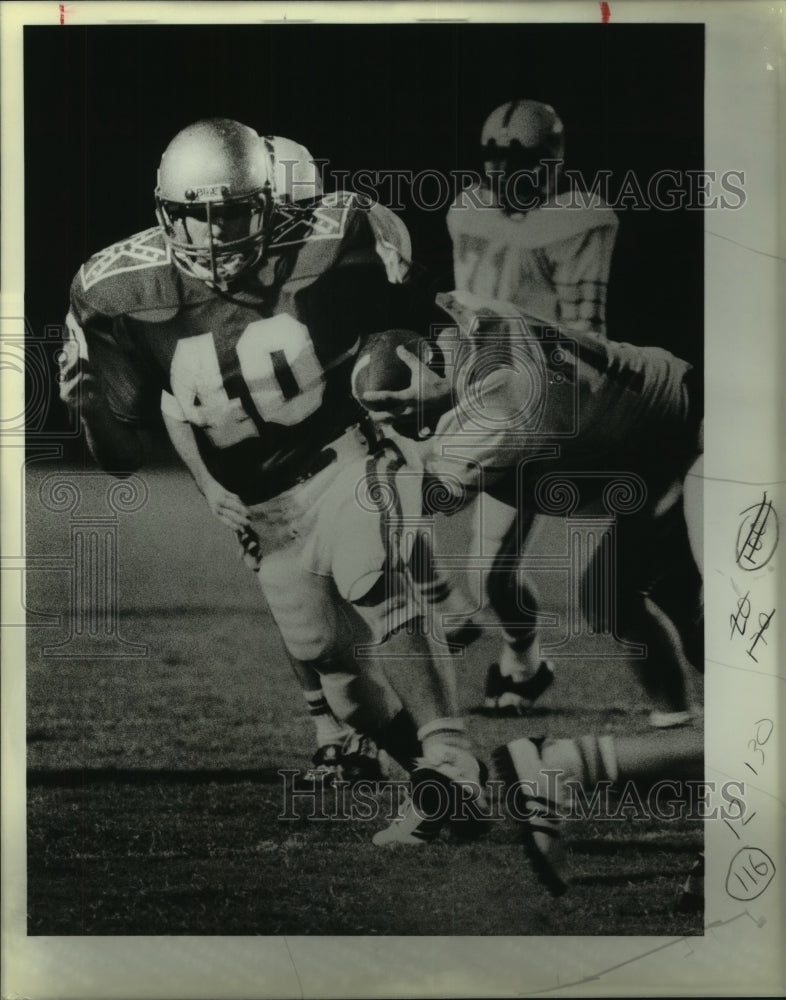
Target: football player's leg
{"points": [[318, 640], [520, 676], [547, 782], [646, 552], [369, 550], [450, 610], [330, 731], [693, 507], [320, 634]]}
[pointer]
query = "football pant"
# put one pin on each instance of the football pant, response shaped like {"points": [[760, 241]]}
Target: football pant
{"points": [[338, 542]]}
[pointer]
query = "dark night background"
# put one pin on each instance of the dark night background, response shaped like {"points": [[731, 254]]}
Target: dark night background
{"points": [[101, 104]]}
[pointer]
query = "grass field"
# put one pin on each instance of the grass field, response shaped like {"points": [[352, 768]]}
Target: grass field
{"points": [[153, 792]]}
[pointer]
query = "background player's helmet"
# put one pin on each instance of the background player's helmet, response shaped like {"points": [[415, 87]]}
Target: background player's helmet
{"points": [[214, 199], [518, 136]]}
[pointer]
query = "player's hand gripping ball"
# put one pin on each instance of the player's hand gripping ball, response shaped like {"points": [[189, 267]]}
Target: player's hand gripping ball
{"points": [[398, 378]]}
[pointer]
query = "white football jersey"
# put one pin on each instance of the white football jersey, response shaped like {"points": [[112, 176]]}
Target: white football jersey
{"points": [[553, 262]]}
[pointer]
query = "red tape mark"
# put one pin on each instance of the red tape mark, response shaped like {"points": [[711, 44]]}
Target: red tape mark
{"points": [[605, 12]]}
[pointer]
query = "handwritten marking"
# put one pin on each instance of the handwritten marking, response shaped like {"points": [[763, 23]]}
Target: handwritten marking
{"points": [[756, 880], [743, 614], [728, 824], [605, 13], [752, 551], [764, 624]]}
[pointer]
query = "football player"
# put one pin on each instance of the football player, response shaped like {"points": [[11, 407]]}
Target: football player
{"points": [[518, 238], [341, 751], [241, 316], [524, 402]]}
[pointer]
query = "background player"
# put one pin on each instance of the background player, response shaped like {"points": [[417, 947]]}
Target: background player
{"points": [[243, 318], [518, 238]]}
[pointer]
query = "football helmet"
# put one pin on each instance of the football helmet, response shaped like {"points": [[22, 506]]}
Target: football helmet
{"points": [[214, 199], [517, 137]]}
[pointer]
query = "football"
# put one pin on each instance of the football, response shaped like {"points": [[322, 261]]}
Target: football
{"points": [[380, 369]]}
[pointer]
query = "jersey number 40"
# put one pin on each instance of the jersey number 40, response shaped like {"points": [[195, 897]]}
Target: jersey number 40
{"points": [[281, 380]]}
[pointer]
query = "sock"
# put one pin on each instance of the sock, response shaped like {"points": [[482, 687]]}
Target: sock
{"points": [[448, 731], [588, 759], [329, 728], [436, 590]]}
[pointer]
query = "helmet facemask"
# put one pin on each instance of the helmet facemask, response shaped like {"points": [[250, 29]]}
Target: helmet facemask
{"points": [[214, 200], [520, 178], [216, 239], [522, 147]]}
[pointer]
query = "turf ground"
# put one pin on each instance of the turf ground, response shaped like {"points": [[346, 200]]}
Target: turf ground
{"points": [[153, 792]]}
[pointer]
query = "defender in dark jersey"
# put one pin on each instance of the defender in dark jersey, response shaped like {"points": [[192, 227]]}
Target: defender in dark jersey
{"points": [[242, 317], [551, 423]]}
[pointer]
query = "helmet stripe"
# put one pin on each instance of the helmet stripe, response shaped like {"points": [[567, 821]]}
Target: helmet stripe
{"points": [[509, 113]]}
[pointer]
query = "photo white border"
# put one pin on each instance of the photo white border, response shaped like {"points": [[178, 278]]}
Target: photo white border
{"points": [[742, 949]]}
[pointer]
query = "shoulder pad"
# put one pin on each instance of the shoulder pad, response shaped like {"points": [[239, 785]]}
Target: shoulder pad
{"points": [[134, 275], [320, 218], [142, 251]]}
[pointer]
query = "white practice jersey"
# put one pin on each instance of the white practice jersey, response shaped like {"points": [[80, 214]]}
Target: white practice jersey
{"points": [[553, 261]]}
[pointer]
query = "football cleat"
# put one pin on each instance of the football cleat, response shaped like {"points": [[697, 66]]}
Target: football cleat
{"points": [[356, 759], [325, 766], [436, 799], [504, 696], [359, 760], [534, 808]]}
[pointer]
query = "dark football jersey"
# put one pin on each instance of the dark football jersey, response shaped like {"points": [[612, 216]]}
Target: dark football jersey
{"points": [[262, 372]]}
